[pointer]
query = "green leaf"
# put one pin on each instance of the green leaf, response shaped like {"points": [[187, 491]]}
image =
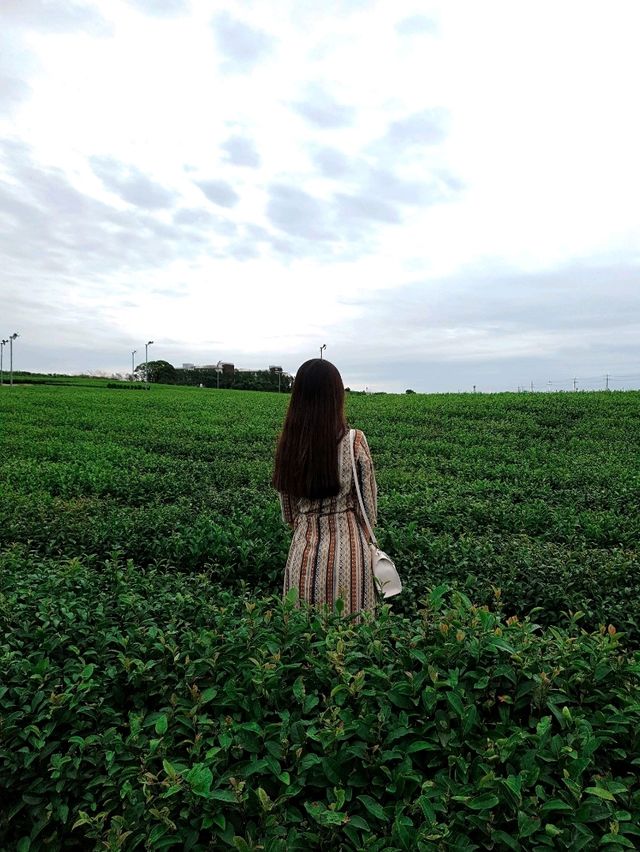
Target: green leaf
{"points": [[359, 822], [436, 595], [427, 810], [298, 688], [83, 819], [324, 816], [618, 839], [23, 845], [601, 793], [352, 835], [527, 824], [374, 808], [454, 701], [616, 787], [513, 783], [405, 830], [309, 760], [506, 839], [470, 719], [543, 726], [161, 725], [422, 745], [265, 801], [483, 802], [200, 778], [400, 698], [556, 805], [291, 597], [223, 795], [208, 695], [310, 702]]}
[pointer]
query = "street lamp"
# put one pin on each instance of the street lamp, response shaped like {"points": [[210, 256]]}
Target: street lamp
{"points": [[218, 371], [133, 369], [324, 346], [3, 343], [12, 337], [146, 361]]}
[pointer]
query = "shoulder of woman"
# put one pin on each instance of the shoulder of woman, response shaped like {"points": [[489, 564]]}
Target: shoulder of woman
{"points": [[360, 439]]}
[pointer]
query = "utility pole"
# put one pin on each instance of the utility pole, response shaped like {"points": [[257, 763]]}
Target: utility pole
{"points": [[218, 371], [133, 369], [474, 388], [607, 378], [146, 361], [12, 337], [531, 387], [575, 383], [324, 346], [550, 385], [3, 343]]}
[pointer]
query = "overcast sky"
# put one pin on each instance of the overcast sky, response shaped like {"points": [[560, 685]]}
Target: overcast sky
{"points": [[446, 194]]}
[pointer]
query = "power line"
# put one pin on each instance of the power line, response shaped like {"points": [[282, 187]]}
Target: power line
{"points": [[575, 381]]}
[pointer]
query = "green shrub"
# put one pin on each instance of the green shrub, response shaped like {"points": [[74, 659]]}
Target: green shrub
{"points": [[144, 709]]}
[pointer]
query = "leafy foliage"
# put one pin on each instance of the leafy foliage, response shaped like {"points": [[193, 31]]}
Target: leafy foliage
{"points": [[534, 494], [155, 692], [142, 709]]}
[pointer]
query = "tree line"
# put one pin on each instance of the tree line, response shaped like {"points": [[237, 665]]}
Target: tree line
{"points": [[162, 372]]}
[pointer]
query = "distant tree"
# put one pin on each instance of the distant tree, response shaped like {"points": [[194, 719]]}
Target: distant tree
{"points": [[409, 390], [161, 372], [265, 380]]}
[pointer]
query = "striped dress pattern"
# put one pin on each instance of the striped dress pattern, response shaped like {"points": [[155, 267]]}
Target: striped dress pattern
{"points": [[329, 557]]}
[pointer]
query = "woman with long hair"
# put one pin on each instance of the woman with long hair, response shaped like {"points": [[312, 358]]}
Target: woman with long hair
{"points": [[329, 557]]}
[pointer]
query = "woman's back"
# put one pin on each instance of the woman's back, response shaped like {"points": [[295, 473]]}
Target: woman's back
{"points": [[329, 556]]}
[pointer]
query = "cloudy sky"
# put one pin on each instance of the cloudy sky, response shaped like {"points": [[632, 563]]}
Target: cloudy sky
{"points": [[445, 193]]}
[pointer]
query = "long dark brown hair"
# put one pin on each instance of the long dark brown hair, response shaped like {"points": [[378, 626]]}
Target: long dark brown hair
{"points": [[306, 462]]}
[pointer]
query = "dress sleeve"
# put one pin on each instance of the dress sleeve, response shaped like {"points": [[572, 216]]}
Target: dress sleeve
{"points": [[288, 508], [366, 478]]}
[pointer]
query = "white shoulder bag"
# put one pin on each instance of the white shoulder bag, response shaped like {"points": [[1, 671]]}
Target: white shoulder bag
{"points": [[384, 570]]}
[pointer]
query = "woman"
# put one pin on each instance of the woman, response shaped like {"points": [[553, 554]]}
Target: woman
{"points": [[329, 557]]}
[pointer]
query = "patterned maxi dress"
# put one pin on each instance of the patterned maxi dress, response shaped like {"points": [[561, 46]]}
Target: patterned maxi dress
{"points": [[329, 555]]}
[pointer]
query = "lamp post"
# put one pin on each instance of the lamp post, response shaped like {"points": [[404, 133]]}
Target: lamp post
{"points": [[146, 361], [12, 337], [3, 343], [218, 371], [133, 369], [324, 346]]}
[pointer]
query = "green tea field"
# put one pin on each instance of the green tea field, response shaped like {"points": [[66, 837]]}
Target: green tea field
{"points": [[157, 693]]}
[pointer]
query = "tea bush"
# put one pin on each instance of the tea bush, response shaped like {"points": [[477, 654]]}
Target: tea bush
{"points": [[145, 709], [536, 494], [156, 694]]}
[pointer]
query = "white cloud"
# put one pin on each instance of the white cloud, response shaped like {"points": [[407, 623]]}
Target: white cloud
{"points": [[279, 174], [241, 44]]}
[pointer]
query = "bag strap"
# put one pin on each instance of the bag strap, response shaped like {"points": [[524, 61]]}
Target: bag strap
{"points": [[352, 437]]}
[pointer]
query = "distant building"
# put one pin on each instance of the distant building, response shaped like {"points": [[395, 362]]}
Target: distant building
{"points": [[188, 366], [227, 369], [275, 369]]}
